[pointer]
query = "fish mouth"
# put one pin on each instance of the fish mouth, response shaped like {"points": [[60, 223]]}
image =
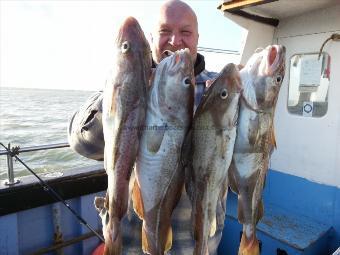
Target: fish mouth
{"points": [[170, 52], [180, 60], [183, 56], [167, 53], [130, 21], [130, 31], [275, 58]]}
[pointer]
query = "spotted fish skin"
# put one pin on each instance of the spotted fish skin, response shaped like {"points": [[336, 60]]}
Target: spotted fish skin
{"points": [[212, 141], [159, 171], [261, 78], [124, 107]]}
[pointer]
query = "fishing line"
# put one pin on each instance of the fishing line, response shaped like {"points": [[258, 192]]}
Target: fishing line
{"points": [[51, 191]]}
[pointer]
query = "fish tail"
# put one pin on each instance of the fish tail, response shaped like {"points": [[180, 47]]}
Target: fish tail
{"points": [[115, 229], [168, 241], [113, 242], [202, 230], [201, 249], [150, 246], [114, 247], [145, 243], [137, 200], [249, 247]]}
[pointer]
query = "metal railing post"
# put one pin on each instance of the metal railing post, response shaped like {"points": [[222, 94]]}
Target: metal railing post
{"points": [[10, 153], [10, 170]]}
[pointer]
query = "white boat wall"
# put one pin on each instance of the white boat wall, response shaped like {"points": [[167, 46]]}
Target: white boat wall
{"points": [[302, 191]]}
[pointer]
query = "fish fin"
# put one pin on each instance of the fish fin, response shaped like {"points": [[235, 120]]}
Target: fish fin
{"points": [[168, 243], [151, 79], [137, 200], [272, 137], [240, 209], [231, 177], [223, 196], [260, 211], [145, 244], [154, 138], [116, 247], [189, 185], [254, 127], [213, 228], [249, 247], [113, 237], [186, 149], [132, 181], [186, 158], [107, 200]]}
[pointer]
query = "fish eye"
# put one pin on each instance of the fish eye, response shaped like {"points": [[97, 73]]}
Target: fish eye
{"points": [[278, 79], [125, 46], [224, 94], [187, 81], [168, 53]]}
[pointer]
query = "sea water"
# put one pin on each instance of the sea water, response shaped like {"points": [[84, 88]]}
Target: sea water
{"points": [[33, 117]]}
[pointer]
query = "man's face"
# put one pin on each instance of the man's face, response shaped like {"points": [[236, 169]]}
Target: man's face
{"points": [[176, 29]]}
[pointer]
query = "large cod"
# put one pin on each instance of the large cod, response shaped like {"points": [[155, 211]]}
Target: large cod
{"points": [[211, 144], [261, 79], [159, 170], [124, 108]]}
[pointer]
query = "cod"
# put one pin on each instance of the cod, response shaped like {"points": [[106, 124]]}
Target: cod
{"points": [[159, 170], [211, 144], [124, 109], [261, 78]]}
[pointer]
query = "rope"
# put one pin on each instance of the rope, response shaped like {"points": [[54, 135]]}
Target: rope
{"points": [[334, 37]]}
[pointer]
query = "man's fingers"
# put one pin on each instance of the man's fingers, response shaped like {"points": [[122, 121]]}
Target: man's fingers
{"points": [[208, 83]]}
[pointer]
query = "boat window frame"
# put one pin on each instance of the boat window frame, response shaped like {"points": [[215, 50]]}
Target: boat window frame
{"points": [[308, 107]]}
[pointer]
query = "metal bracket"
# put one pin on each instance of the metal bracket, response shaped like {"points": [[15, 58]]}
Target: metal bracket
{"points": [[10, 170]]}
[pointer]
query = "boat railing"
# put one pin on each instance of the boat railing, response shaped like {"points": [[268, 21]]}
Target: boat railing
{"points": [[10, 152]]}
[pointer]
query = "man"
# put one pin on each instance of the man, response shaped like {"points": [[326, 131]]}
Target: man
{"points": [[177, 28]]}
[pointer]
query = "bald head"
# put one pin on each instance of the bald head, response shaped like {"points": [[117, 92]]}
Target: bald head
{"points": [[176, 28], [177, 9]]}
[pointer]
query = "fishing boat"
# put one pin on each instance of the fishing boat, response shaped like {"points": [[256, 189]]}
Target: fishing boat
{"points": [[302, 190], [55, 214]]}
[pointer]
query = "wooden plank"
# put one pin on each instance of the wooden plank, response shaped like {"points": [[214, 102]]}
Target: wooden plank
{"points": [[240, 4], [264, 20]]}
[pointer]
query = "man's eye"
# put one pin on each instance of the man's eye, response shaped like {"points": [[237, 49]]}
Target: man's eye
{"points": [[164, 32], [186, 33]]}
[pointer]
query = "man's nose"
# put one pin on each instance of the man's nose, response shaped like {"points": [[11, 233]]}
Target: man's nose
{"points": [[175, 40]]}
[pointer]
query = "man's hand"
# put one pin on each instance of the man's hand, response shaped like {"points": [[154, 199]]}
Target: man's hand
{"points": [[208, 83]]}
